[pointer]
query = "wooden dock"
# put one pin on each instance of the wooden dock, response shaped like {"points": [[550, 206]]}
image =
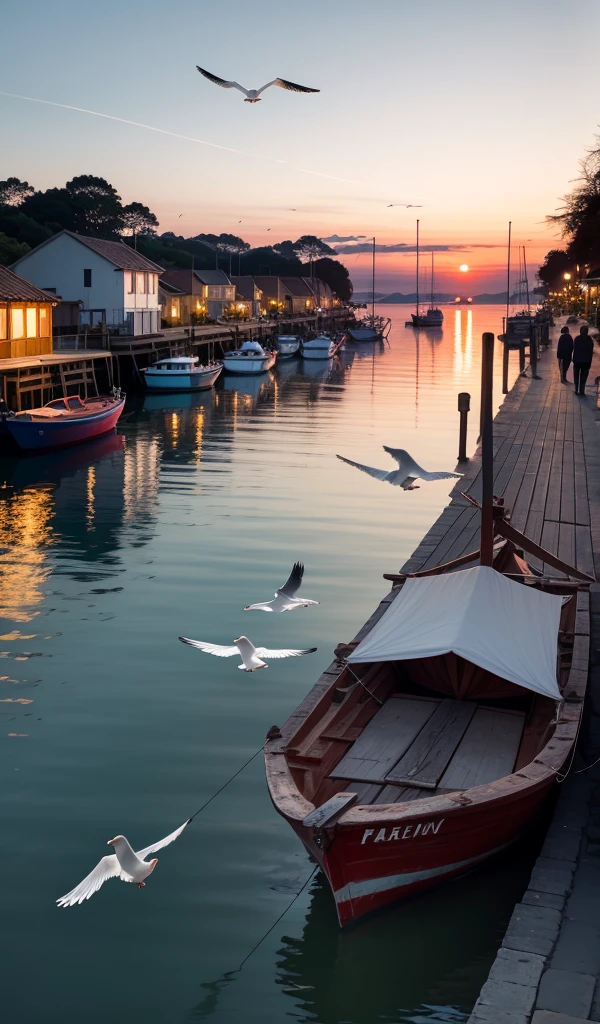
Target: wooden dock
{"points": [[546, 453], [547, 469]]}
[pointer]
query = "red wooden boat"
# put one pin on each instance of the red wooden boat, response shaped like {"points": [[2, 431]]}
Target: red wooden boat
{"points": [[434, 738], [65, 421]]}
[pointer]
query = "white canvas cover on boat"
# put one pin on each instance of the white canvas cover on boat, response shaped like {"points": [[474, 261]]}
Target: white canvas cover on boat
{"points": [[503, 627]]}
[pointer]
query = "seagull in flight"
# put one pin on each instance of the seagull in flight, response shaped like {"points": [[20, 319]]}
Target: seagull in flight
{"points": [[124, 863], [252, 657], [253, 95], [285, 598], [408, 471], [407, 206]]}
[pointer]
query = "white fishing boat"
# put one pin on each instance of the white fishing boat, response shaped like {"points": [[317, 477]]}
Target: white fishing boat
{"points": [[251, 357], [432, 317], [287, 345], [181, 373], [321, 347]]}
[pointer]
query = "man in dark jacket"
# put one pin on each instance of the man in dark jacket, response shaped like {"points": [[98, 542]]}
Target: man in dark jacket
{"points": [[564, 352], [583, 351]]}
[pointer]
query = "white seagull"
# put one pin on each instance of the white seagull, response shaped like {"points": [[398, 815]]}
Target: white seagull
{"points": [[408, 471], [252, 657], [253, 95], [124, 863], [407, 206], [285, 600]]}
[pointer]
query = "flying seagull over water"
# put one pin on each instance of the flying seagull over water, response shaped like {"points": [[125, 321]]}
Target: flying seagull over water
{"points": [[407, 206], [408, 471], [253, 95], [285, 599], [124, 863], [252, 657]]}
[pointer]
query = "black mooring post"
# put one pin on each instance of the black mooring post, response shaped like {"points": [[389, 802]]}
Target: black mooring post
{"points": [[487, 450], [464, 405]]}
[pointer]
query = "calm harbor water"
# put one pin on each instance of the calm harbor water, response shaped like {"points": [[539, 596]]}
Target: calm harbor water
{"points": [[107, 724]]}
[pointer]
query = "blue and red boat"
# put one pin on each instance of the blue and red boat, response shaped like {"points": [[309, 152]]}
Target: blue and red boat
{"points": [[65, 421]]}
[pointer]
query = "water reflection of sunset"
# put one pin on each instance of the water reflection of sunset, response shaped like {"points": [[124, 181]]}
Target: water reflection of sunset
{"points": [[25, 535]]}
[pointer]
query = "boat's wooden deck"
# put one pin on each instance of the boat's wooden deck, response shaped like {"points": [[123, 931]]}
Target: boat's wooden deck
{"points": [[417, 747]]}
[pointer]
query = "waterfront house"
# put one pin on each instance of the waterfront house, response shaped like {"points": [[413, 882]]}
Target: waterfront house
{"points": [[113, 284], [169, 299], [272, 292], [25, 317], [248, 296], [591, 295], [323, 295], [203, 293], [299, 296]]}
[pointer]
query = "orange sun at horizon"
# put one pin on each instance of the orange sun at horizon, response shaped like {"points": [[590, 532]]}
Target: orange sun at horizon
{"points": [[463, 268]]}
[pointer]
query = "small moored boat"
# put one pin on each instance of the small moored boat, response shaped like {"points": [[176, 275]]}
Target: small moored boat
{"points": [[181, 373], [65, 421], [321, 347], [287, 345], [251, 357]]}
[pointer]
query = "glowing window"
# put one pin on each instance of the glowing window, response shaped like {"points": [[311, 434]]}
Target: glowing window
{"points": [[31, 322], [44, 323], [152, 283], [140, 283], [128, 282], [17, 322], [3, 325]]}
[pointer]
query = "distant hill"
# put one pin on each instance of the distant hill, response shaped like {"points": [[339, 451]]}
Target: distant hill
{"points": [[491, 298]]}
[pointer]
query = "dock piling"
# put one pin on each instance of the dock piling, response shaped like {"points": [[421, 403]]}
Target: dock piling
{"points": [[487, 450], [464, 405]]}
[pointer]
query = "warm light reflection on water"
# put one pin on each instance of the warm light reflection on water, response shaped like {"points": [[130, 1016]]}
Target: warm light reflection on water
{"points": [[200, 507]]}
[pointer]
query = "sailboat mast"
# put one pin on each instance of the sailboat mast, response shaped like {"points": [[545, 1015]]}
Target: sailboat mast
{"points": [[508, 275], [373, 294], [431, 303], [417, 268], [526, 282]]}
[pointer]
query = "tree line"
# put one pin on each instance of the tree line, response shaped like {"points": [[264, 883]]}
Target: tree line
{"points": [[579, 222], [89, 205]]}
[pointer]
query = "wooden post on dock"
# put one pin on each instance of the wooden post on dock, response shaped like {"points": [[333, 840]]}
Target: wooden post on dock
{"points": [[533, 349], [505, 355], [464, 404], [487, 450]]}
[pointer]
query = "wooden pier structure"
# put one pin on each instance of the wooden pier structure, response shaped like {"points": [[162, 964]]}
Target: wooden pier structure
{"points": [[547, 470]]}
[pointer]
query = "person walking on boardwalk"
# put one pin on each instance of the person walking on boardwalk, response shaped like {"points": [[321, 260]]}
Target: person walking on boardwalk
{"points": [[564, 352], [583, 351]]}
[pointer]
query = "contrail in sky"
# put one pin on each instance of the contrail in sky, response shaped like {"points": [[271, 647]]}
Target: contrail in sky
{"points": [[175, 135]]}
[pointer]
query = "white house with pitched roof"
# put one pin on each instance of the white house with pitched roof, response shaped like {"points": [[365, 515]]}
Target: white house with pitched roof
{"points": [[113, 283]]}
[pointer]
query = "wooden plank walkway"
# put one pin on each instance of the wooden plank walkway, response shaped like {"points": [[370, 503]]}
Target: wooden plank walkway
{"points": [[541, 468]]}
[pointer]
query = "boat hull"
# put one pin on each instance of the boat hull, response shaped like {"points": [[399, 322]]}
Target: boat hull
{"points": [[389, 858], [364, 334], [249, 364], [43, 435], [288, 347], [172, 380]]}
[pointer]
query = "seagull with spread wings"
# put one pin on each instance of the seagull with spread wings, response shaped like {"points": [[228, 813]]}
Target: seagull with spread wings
{"points": [[124, 863], [408, 471], [252, 657], [407, 206], [253, 95], [285, 598]]}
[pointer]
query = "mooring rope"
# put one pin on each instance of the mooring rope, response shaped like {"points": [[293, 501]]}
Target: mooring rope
{"points": [[225, 784]]}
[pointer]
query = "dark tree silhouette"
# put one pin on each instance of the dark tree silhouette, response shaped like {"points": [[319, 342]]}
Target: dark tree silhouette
{"points": [[97, 206], [139, 219], [11, 250], [336, 275], [556, 263], [13, 191], [579, 216]]}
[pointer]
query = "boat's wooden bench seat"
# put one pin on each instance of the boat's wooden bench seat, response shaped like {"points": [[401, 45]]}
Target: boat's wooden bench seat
{"points": [[416, 747]]}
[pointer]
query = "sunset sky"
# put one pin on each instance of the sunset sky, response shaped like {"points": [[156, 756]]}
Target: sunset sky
{"points": [[477, 110]]}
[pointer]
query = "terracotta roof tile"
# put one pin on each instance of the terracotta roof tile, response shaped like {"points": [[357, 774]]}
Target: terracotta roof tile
{"points": [[15, 289]]}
